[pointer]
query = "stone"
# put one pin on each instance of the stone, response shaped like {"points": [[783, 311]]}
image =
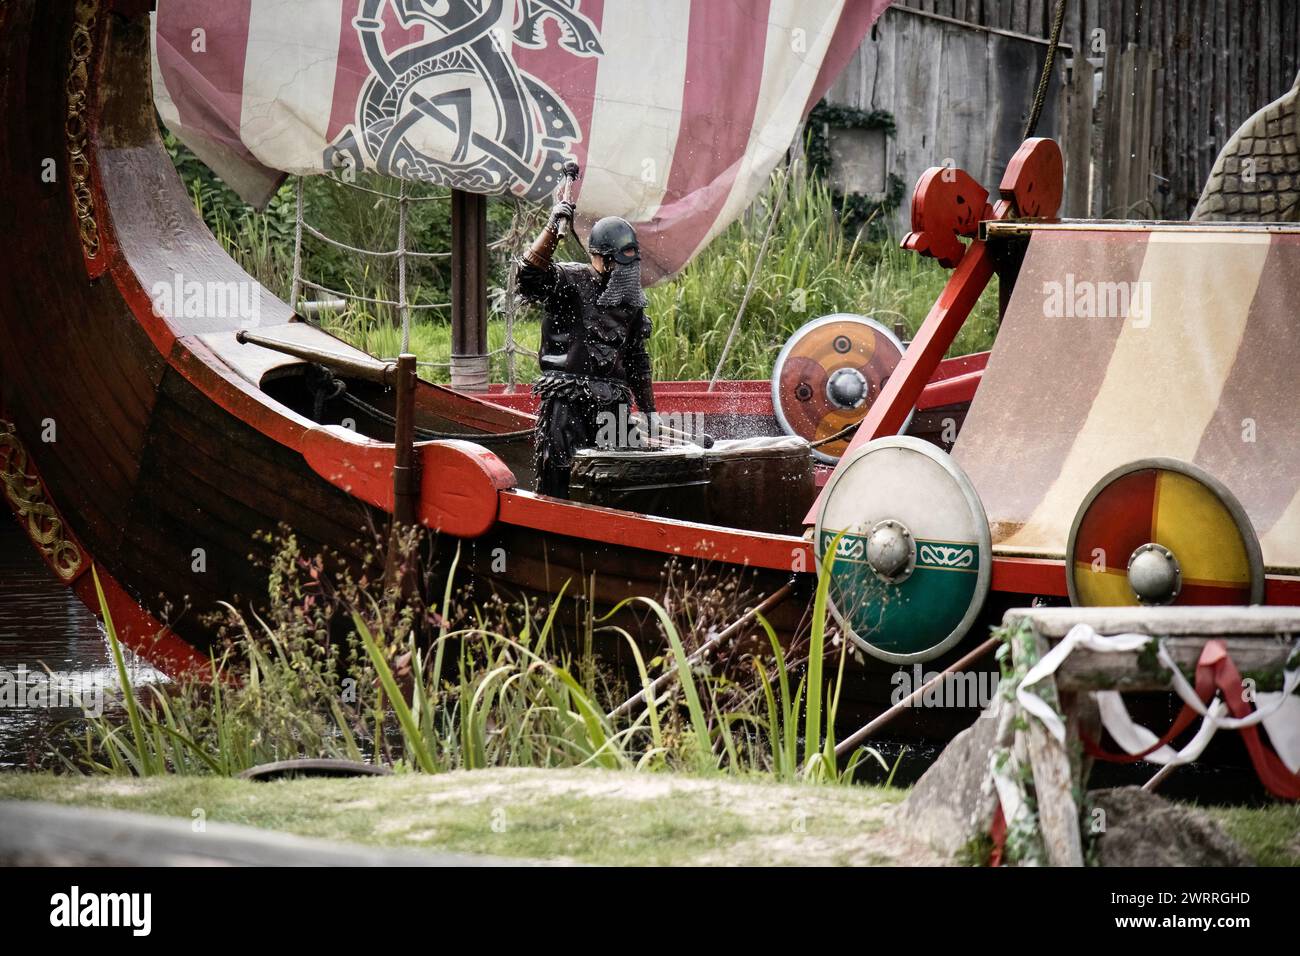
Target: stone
{"points": [[950, 805], [1144, 829]]}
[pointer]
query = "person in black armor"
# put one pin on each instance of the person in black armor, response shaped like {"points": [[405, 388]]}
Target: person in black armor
{"points": [[594, 332]]}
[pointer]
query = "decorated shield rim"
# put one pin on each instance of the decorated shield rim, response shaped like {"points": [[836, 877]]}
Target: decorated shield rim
{"points": [[1254, 553], [794, 339], [984, 575]]}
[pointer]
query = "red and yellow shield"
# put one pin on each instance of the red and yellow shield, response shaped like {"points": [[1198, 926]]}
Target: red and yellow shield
{"points": [[1194, 523]]}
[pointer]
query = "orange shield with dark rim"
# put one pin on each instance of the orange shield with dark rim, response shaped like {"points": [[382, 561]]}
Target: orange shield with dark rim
{"points": [[828, 375]]}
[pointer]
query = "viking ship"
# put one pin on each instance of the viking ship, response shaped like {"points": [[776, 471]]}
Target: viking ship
{"points": [[134, 441]]}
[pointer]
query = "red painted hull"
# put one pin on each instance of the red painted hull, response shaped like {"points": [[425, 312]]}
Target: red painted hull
{"points": [[175, 442]]}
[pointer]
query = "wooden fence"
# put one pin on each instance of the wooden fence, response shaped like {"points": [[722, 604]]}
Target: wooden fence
{"points": [[1203, 66], [959, 94]]}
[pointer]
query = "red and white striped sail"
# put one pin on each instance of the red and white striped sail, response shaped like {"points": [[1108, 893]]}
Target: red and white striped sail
{"points": [[677, 110]]}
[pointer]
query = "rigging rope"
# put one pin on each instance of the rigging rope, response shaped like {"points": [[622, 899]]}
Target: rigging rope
{"points": [[402, 253], [1044, 81], [401, 267], [377, 253], [753, 278], [387, 195], [366, 298]]}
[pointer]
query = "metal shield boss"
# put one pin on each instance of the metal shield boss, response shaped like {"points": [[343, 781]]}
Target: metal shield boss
{"points": [[913, 557], [828, 375], [1158, 532]]}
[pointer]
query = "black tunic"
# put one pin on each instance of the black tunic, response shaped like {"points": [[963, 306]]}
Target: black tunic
{"points": [[593, 360]]}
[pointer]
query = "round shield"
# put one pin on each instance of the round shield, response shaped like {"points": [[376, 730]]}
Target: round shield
{"points": [[1161, 531], [828, 375], [912, 551]]}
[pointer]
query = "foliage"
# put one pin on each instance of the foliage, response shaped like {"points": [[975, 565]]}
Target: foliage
{"points": [[859, 213], [344, 667], [816, 264], [812, 268]]}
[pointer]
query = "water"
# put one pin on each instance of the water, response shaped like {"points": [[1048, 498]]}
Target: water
{"points": [[43, 626]]}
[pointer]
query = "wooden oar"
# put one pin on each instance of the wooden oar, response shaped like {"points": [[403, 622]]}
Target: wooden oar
{"points": [[846, 745]]}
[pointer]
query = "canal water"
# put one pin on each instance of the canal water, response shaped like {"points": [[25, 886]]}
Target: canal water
{"points": [[52, 655]]}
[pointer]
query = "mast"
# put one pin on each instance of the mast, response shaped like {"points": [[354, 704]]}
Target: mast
{"points": [[469, 342]]}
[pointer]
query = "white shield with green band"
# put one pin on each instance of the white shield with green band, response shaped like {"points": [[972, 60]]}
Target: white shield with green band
{"points": [[912, 551]]}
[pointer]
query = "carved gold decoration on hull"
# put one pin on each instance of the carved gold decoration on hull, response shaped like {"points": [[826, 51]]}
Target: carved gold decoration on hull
{"points": [[75, 124], [27, 496]]}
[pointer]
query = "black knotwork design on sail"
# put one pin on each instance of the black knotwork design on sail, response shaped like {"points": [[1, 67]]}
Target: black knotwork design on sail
{"points": [[502, 129]]}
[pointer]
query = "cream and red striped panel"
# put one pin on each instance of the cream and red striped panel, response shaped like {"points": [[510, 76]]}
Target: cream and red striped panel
{"points": [[1201, 366], [677, 110]]}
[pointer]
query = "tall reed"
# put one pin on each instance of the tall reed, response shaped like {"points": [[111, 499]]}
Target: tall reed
{"points": [[494, 686]]}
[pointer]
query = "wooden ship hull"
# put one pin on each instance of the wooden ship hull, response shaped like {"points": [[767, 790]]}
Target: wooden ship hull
{"points": [[158, 449]]}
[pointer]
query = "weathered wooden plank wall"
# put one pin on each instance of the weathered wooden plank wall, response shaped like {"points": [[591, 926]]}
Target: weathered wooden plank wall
{"points": [[958, 94], [1221, 61]]}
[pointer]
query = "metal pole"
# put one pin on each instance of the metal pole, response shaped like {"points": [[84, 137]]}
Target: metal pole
{"points": [[847, 745], [469, 359]]}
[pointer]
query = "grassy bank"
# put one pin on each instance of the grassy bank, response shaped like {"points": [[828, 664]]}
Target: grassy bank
{"points": [[586, 816]]}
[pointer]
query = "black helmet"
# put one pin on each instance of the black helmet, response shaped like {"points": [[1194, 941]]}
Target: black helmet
{"points": [[616, 238]]}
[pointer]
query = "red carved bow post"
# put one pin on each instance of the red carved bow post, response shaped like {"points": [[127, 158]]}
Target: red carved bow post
{"points": [[948, 205]]}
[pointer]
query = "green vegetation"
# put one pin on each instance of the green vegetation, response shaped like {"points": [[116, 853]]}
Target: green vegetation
{"points": [[346, 668], [586, 816], [817, 263], [1271, 835]]}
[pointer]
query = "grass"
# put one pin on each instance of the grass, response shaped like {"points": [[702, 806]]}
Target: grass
{"points": [[1270, 834], [586, 816], [812, 268], [334, 668]]}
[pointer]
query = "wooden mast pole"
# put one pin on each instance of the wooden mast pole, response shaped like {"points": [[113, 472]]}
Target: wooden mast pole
{"points": [[469, 255]]}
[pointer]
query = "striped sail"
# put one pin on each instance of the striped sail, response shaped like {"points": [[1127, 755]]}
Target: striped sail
{"points": [[677, 110], [1119, 345]]}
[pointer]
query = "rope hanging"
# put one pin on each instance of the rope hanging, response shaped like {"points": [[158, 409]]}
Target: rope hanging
{"points": [[1044, 81], [753, 279], [401, 267], [295, 285]]}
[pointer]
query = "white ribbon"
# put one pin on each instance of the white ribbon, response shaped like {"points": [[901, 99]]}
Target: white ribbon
{"points": [[1279, 712], [1081, 635]]}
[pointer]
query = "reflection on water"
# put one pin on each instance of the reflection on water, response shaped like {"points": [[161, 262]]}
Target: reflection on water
{"points": [[44, 627]]}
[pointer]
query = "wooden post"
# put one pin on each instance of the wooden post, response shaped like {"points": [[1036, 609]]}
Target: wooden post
{"points": [[406, 487], [1058, 814], [469, 348], [406, 477]]}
